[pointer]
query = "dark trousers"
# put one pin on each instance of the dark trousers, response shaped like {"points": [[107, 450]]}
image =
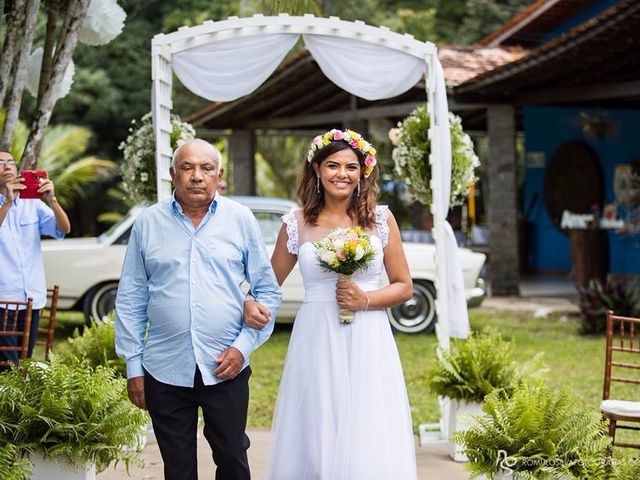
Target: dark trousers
{"points": [[12, 340], [174, 413]]}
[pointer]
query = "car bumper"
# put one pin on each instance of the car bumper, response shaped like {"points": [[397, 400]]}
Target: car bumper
{"points": [[476, 295]]}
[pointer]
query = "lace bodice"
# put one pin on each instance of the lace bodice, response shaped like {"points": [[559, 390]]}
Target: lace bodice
{"points": [[320, 284], [296, 237]]}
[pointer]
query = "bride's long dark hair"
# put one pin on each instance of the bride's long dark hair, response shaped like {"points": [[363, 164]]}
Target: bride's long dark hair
{"points": [[361, 208]]}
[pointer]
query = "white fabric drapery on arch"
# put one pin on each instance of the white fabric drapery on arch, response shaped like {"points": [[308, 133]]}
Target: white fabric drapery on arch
{"points": [[229, 68], [365, 70], [459, 323]]}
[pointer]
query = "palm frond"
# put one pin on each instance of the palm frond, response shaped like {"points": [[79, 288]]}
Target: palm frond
{"points": [[20, 136], [79, 177], [62, 145]]}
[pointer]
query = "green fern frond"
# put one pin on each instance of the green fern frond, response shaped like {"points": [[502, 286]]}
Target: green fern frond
{"points": [[546, 434], [476, 366], [69, 411]]}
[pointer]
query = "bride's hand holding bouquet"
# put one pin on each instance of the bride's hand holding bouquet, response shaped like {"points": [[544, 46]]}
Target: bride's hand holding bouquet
{"points": [[345, 251]]}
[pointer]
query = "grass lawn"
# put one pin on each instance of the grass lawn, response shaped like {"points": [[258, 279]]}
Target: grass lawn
{"points": [[574, 361]]}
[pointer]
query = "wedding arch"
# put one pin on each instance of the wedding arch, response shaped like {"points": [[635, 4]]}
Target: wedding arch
{"points": [[224, 60]]}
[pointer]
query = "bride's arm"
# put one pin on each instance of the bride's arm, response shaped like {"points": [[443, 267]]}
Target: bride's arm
{"points": [[400, 288], [282, 262]]}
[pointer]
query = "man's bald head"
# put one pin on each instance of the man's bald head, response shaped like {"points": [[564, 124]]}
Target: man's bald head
{"points": [[199, 146]]}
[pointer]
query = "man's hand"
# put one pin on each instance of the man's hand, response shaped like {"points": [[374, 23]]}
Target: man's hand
{"points": [[135, 389], [46, 189], [230, 363], [13, 188], [255, 314]]}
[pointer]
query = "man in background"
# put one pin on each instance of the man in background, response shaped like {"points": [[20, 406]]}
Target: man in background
{"points": [[22, 222]]}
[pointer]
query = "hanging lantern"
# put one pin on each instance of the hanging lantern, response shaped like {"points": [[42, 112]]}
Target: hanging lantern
{"points": [[103, 23], [33, 75]]}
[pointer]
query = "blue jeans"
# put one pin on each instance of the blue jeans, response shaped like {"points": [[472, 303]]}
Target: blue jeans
{"points": [[11, 340]]}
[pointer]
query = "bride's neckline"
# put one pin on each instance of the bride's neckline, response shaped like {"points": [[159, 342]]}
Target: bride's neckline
{"points": [[311, 242]]}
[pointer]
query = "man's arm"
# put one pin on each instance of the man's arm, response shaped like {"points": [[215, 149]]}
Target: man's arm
{"points": [[264, 288], [12, 189], [62, 220], [131, 315], [4, 210]]}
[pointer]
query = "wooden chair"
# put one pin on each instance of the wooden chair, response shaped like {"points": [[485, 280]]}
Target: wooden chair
{"points": [[9, 327], [49, 321], [623, 340]]}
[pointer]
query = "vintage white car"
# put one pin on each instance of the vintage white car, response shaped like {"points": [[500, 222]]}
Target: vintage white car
{"points": [[88, 269]]}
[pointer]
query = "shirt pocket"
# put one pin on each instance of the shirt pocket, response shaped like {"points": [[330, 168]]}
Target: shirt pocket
{"points": [[29, 225]]}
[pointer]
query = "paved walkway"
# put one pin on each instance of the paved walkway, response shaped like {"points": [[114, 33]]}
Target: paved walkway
{"points": [[433, 461]]}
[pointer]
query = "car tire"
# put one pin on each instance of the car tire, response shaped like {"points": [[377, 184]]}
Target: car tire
{"points": [[100, 301], [418, 314]]}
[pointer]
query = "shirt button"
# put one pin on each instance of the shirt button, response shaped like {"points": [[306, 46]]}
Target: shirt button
{"points": [[193, 304], [193, 281]]}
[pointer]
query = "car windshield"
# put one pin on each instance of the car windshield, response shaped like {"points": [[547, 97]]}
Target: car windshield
{"points": [[109, 232], [269, 225]]}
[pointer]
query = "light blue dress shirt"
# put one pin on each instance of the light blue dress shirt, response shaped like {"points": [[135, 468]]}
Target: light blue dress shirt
{"points": [[21, 266], [185, 285]]}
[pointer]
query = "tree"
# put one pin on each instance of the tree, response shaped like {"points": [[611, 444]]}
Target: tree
{"points": [[64, 21], [63, 155], [24, 31], [278, 164]]}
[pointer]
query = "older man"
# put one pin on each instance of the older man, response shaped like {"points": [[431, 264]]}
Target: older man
{"points": [[179, 321], [22, 222]]}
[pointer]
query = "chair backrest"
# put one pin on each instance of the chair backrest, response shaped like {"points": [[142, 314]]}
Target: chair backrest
{"points": [[48, 320], [623, 340], [9, 326]]}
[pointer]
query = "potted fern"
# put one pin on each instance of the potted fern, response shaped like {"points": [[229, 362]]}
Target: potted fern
{"points": [[625, 468], [67, 418], [472, 369], [96, 345], [12, 466], [536, 433]]}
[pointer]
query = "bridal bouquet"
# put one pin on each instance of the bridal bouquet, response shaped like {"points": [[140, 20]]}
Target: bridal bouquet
{"points": [[344, 251]]}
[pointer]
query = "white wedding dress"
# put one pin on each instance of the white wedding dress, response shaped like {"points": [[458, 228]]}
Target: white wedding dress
{"points": [[342, 411]]}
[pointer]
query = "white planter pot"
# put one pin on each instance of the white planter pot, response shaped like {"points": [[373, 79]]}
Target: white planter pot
{"points": [[445, 413], [459, 421], [505, 475], [48, 469]]}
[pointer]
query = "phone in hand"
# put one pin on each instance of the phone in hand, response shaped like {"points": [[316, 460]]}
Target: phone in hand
{"points": [[32, 180]]}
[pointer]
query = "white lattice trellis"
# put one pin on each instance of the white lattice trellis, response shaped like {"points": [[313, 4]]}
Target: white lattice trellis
{"points": [[165, 46]]}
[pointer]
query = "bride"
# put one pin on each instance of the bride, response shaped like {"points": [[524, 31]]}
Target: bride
{"points": [[342, 411]]}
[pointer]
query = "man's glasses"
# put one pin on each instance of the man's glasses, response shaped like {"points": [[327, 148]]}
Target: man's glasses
{"points": [[11, 163]]}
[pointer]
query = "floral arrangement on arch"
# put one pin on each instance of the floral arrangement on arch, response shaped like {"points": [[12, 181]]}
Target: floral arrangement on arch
{"points": [[139, 167], [412, 147]]}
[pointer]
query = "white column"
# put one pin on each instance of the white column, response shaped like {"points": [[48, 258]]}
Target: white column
{"points": [[161, 105]]}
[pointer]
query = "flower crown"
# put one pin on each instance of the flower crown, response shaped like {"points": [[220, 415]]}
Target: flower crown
{"points": [[355, 141]]}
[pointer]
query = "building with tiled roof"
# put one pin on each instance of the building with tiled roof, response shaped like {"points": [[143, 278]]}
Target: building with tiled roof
{"points": [[576, 95]]}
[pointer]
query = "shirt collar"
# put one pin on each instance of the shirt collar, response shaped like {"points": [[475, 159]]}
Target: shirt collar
{"points": [[15, 200], [177, 208]]}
